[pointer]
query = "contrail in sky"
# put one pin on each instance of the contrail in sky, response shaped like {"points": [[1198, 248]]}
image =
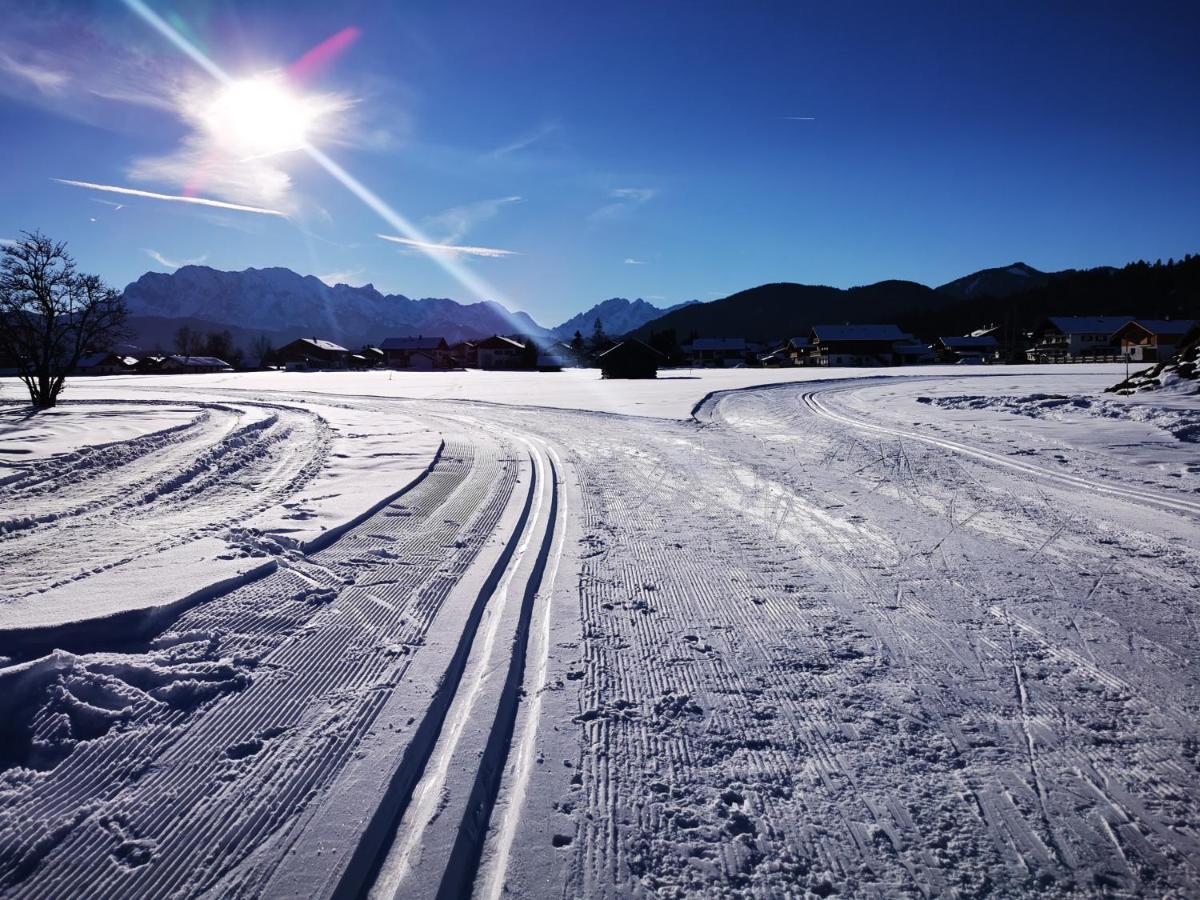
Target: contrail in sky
{"points": [[433, 247], [200, 201]]}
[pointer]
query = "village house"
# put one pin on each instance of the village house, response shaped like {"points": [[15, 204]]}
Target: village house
{"points": [[463, 355], [1076, 339], [720, 352], [499, 352], [630, 359], [1151, 340], [858, 345], [966, 348], [776, 359], [799, 350], [193, 365], [567, 356], [1011, 342], [422, 353], [911, 351], [311, 353], [558, 356], [105, 364]]}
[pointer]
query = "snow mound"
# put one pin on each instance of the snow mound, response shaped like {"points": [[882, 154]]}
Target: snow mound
{"points": [[58, 701], [1180, 374], [1181, 424]]}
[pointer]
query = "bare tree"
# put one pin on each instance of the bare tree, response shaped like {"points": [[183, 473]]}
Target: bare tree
{"points": [[219, 344], [51, 314], [263, 349], [188, 342]]}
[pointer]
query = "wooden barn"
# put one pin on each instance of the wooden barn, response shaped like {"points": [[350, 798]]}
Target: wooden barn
{"points": [[630, 359], [312, 353], [417, 352], [499, 352]]}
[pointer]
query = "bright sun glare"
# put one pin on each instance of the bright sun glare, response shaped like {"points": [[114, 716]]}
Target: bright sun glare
{"points": [[261, 116]]}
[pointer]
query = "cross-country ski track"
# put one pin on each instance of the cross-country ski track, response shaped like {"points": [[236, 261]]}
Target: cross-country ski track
{"points": [[804, 642]]}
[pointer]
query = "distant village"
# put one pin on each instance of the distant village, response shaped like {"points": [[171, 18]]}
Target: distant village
{"points": [[1058, 339]]}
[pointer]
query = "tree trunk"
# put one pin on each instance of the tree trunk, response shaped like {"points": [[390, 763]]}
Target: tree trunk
{"points": [[43, 394]]}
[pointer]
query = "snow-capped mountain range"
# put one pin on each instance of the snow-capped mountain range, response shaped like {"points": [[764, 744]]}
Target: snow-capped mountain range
{"points": [[283, 305], [617, 316]]}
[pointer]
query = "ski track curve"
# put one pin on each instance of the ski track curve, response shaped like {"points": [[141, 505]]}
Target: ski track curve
{"points": [[272, 686], [105, 505], [818, 402]]}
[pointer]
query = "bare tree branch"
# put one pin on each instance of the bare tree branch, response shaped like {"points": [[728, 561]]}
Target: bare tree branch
{"points": [[51, 315]]}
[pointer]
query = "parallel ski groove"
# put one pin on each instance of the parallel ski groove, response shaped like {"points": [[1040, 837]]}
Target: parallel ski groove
{"points": [[282, 699]]}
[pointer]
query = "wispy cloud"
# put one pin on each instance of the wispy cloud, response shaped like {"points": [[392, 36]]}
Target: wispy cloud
{"points": [[454, 223], [78, 67], [111, 203], [7, 242], [134, 97], [151, 195], [170, 263], [450, 249], [527, 139], [630, 261], [800, 118], [46, 79], [624, 200]]}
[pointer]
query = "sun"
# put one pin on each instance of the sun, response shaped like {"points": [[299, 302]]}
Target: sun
{"points": [[261, 116]]}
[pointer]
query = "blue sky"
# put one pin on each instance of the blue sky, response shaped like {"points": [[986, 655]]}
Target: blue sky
{"points": [[574, 152]]}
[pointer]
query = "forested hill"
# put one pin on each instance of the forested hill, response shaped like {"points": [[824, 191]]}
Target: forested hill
{"points": [[772, 311], [779, 311], [1169, 290]]}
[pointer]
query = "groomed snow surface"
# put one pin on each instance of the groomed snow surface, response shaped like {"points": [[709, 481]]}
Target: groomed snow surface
{"points": [[917, 632]]}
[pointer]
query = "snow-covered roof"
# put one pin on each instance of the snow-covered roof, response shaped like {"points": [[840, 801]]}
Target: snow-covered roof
{"points": [[627, 346], [1165, 326], [200, 361], [1088, 324], [859, 333], [97, 359], [733, 344], [412, 343], [324, 345], [499, 341], [798, 342], [968, 342]]}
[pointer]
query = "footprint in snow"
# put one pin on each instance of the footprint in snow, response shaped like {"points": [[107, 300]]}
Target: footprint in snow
{"points": [[133, 854]]}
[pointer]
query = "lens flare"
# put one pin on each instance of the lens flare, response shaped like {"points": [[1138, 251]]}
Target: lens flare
{"points": [[259, 116]]}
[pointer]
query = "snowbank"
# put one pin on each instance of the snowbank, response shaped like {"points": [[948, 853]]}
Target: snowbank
{"points": [[1182, 424]]}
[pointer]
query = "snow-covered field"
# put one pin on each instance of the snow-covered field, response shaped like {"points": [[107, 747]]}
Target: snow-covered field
{"points": [[864, 633]]}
